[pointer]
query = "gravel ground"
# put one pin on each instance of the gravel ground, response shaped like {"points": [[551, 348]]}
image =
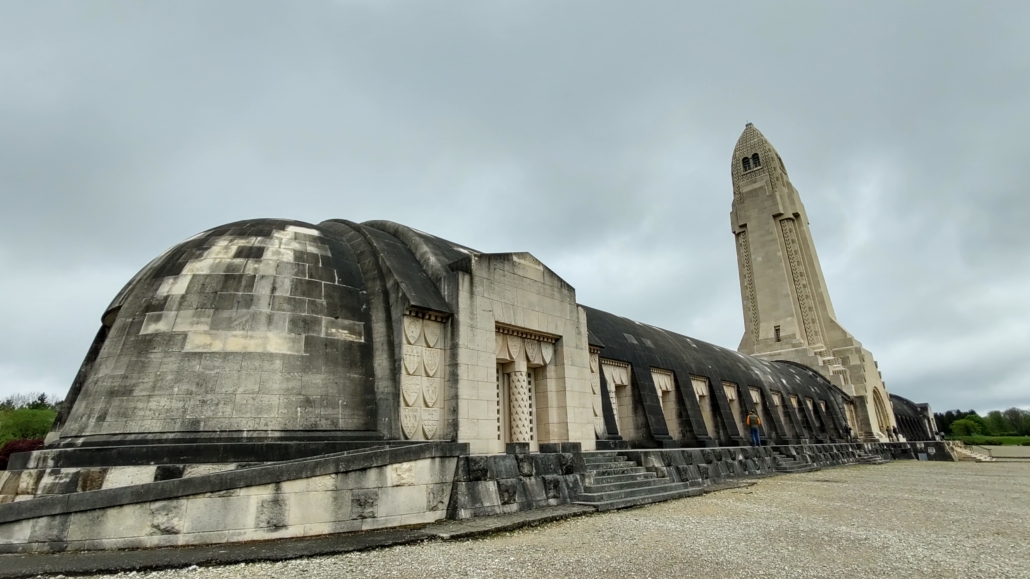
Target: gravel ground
{"points": [[904, 519]]}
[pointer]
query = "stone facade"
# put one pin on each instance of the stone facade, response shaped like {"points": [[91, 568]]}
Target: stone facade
{"points": [[273, 378], [788, 314]]}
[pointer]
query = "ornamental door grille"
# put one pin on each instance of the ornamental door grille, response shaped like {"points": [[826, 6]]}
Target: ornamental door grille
{"points": [[504, 413]]}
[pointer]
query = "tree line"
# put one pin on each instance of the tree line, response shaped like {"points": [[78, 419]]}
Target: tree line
{"points": [[24, 420], [1011, 422]]}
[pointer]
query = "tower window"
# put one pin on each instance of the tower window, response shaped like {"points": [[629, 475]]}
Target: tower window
{"points": [[746, 163], [755, 161], [776, 331]]}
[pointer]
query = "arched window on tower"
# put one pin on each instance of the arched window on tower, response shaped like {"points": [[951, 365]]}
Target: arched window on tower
{"points": [[756, 161], [746, 163]]}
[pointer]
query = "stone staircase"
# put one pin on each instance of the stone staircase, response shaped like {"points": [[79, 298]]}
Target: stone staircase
{"points": [[963, 453], [789, 464], [866, 458], [614, 482]]}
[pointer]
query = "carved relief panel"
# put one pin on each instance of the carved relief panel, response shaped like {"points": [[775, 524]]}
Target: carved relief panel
{"points": [[617, 374], [422, 377], [595, 391], [519, 353], [665, 384], [806, 304]]}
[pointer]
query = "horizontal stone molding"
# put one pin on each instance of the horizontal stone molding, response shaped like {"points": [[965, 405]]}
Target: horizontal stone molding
{"points": [[427, 315], [523, 333]]}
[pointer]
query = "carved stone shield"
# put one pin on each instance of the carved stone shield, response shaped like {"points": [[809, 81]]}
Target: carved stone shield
{"points": [[547, 351], [430, 422], [595, 385], [409, 422], [623, 377], [593, 362], [599, 426], [412, 329], [514, 346], [430, 390], [410, 387], [532, 351], [500, 346], [597, 406], [412, 359], [431, 330], [431, 359]]}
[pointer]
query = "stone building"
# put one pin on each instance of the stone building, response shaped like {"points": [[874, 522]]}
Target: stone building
{"points": [[272, 378], [788, 314]]}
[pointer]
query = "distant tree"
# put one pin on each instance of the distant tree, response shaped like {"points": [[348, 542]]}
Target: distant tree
{"points": [[998, 424], [966, 427], [25, 423], [32, 400], [944, 421], [973, 416], [1019, 419]]}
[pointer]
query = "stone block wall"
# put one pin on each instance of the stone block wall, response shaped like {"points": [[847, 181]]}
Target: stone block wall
{"points": [[330, 494], [486, 485], [518, 292]]}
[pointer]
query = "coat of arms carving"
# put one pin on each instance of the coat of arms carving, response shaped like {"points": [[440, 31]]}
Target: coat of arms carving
{"points": [[431, 330], [409, 422], [412, 359], [532, 351], [410, 388], [430, 422], [430, 390], [514, 346], [431, 359], [412, 329], [547, 351]]}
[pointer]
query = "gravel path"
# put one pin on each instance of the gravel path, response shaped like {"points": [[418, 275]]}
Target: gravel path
{"points": [[905, 519]]}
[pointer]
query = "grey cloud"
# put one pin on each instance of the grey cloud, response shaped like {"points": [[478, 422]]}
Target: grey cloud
{"points": [[596, 135]]}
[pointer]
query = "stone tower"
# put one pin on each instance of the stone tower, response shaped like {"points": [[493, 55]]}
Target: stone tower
{"points": [[788, 314]]}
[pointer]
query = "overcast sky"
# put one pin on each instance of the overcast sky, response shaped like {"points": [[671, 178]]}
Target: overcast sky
{"points": [[595, 135]]}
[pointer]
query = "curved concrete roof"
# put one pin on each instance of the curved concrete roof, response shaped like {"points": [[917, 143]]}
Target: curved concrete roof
{"points": [[258, 328]]}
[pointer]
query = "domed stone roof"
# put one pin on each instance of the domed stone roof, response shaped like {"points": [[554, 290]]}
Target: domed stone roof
{"points": [[253, 329]]}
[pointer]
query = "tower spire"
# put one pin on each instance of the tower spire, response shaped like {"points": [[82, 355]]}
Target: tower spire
{"points": [[788, 314]]}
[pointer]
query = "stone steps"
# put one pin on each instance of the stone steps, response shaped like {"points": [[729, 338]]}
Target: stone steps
{"points": [[797, 467], [964, 454], [593, 495], [601, 458], [615, 482], [618, 478], [603, 488], [789, 465], [634, 469], [645, 499], [610, 465], [871, 459]]}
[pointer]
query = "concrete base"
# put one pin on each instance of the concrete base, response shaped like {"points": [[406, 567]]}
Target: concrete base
{"points": [[389, 487]]}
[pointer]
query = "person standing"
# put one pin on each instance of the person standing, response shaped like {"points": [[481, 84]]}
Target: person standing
{"points": [[753, 422]]}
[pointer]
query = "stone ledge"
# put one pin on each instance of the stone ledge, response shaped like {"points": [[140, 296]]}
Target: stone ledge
{"points": [[226, 480]]}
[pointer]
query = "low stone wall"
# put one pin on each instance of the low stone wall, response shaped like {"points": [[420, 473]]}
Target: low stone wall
{"points": [[487, 485], [705, 466], [928, 450], [329, 494], [371, 489]]}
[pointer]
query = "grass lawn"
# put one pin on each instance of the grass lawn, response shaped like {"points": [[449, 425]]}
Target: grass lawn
{"points": [[982, 439]]}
